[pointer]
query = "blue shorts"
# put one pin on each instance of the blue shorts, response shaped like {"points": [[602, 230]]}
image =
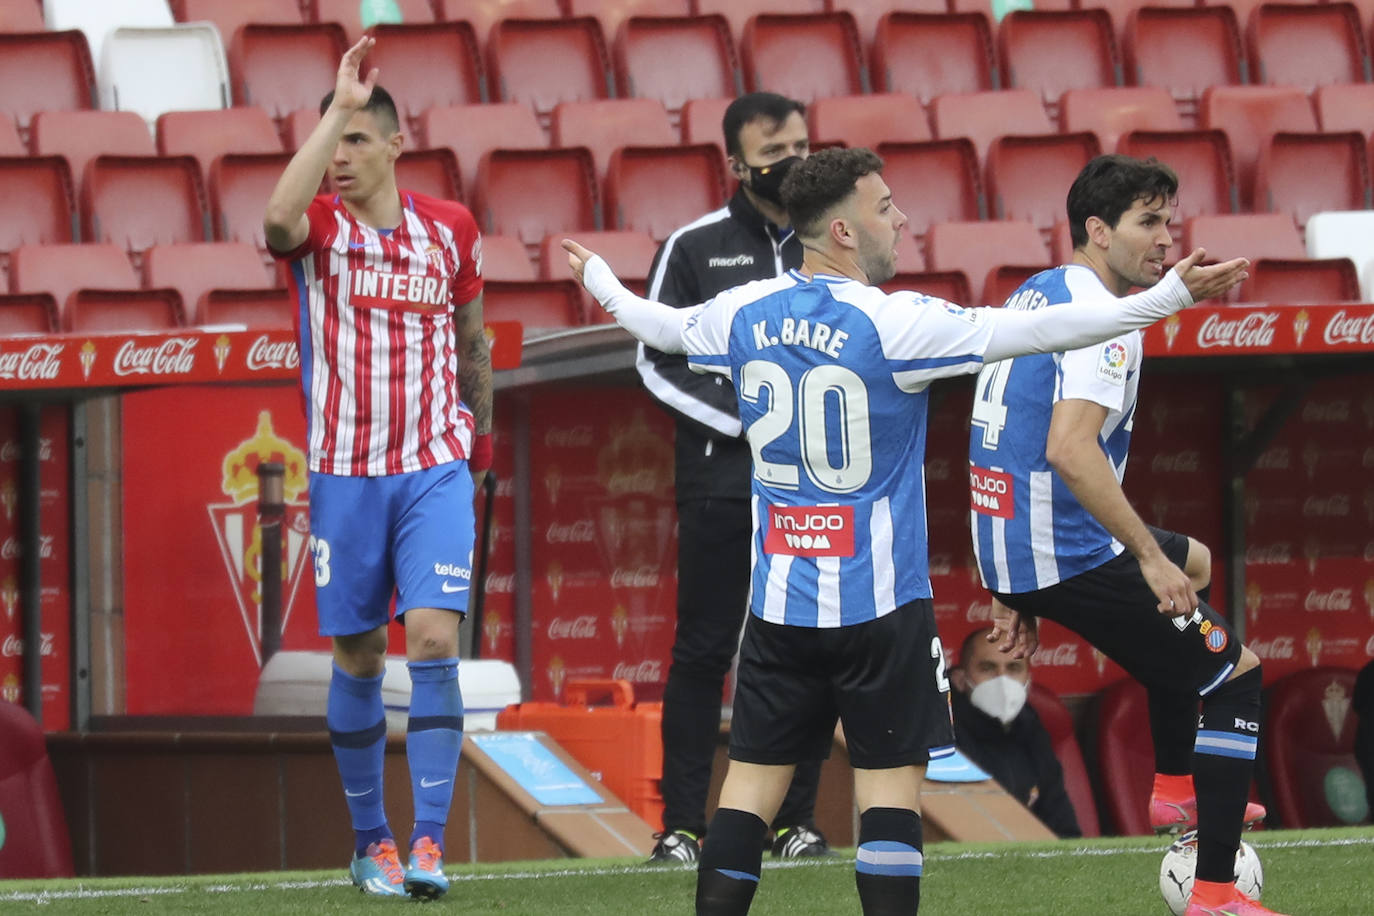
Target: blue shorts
{"points": [[408, 533]]}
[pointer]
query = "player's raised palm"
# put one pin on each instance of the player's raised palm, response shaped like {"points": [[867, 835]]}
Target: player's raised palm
{"points": [[350, 91], [1212, 280]]}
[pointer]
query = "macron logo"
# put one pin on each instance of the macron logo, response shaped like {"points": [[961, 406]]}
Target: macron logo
{"points": [[739, 260]]}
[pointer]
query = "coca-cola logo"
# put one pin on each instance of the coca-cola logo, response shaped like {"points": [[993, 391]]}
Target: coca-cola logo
{"points": [[639, 577], [1275, 459], [39, 362], [1185, 462], [641, 481], [11, 450], [1253, 330], [1349, 329], [568, 436], [13, 647], [13, 550], [1335, 506], [941, 564], [1280, 648], [1270, 554], [1064, 655], [1336, 599], [978, 612], [648, 671], [579, 532], [173, 356], [1326, 412], [583, 627], [500, 584], [268, 354]]}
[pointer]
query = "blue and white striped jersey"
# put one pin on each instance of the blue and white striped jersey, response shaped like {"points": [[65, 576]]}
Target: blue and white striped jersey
{"points": [[1029, 531], [831, 379]]}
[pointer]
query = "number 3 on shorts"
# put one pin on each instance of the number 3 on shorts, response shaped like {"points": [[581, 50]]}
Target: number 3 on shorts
{"points": [[320, 549], [937, 652]]}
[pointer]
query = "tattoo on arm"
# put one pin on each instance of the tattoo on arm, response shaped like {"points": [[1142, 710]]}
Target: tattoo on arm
{"points": [[474, 362]]}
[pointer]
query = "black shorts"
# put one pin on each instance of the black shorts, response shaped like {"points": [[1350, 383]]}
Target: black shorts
{"points": [[1113, 608], [884, 679]]}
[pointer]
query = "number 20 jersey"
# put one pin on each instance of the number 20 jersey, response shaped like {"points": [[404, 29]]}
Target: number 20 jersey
{"points": [[1029, 530], [831, 380]]}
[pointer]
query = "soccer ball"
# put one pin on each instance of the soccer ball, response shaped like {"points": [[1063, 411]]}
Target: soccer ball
{"points": [[1176, 872]]}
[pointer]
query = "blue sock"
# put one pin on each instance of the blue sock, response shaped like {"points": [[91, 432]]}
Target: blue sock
{"points": [[434, 737], [357, 730]]}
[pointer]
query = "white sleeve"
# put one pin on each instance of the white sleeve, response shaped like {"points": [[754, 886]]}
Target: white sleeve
{"points": [[658, 325], [1082, 322], [1098, 373], [925, 338]]}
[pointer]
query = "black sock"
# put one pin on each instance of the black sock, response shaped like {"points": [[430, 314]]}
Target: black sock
{"points": [[1223, 764], [887, 867], [1173, 725], [731, 859]]}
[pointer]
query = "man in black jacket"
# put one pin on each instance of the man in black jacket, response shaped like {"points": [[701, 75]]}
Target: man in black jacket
{"points": [[747, 239], [999, 731]]}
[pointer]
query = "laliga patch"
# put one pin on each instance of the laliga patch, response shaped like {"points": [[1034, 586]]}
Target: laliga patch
{"points": [[1213, 635], [991, 492], [810, 531], [1112, 365], [958, 311]]}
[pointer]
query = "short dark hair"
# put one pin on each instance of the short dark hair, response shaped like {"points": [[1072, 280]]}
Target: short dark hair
{"points": [[970, 641], [380, 103], [816, 184], [1110, 185], [767, 105]]}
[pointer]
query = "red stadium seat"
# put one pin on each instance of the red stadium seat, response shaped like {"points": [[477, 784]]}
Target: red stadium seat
{"points": [[867, 13], [40, 202], [140, 201], [657, 189], [282, 68], [533, 193], [23, 314], [102, 311], [82, 135], [1308, 740], [1058, 721], [1126, 757], [975, 248], [296, 127], [62, 270], [928, 55], [910, 257], [192, 269], [11, 144], [348, 13], [1184, 50], [21, 16], [542, 62], [1302, 174], [605, 125], [1250, 115], [630, 253], [504, 257], [613, 13], [207, 134], [676, 59], [474, 130], [950, 285], [45, 71], [1005, 279], [240, 185], [539, 305], [430, 171], [427, 66], [1061, 243], [1315, 281], [1202, 161], [38, 846], [255, 309], [934, 182], [1109, 113], [1244, 235], [985, 116], [483, 14], [1052, 51], [803, 57], [1121, 10], [867, 120], [739, 12], [1345, 107], [231, 15], [1305, 45], [1027, 176], [703, 121]]}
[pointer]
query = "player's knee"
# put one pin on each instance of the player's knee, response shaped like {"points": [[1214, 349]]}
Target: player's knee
{"points": [[361, 655]]}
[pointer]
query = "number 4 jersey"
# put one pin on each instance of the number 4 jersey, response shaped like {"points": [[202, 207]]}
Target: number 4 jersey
{"points": [[831, 378], [1029, 530]]}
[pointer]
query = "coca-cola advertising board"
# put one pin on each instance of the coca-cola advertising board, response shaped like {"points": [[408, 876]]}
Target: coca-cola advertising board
{"points": [[192, 548], [604, 550], [54, 565], [496, 639]]}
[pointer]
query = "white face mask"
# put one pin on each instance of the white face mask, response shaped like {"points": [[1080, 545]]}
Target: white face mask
{"points": [[1001, 697]]}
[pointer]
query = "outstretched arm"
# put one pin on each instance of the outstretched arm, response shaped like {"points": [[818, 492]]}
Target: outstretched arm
{"points": [[658, 325]]}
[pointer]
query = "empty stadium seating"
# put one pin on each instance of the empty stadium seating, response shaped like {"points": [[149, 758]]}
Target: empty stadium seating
{"points": [[152, 70], [1109, 113], [297, 125], [103, 311], [985, 116], [533, 193], [1308, 744], [630, 253], [1301, 282], [927, 55], [11, 144], [45, 71], [937, 181], [195, 268], [1058, 722], [1250, 115], [1184, 50], [1052, 51], [231, 15], [1027, 177], [38, 846], [504, 257], [483, 14], [207, 134], [867, 13], [255, 309], [542, 62], [950, 285], [1348, 234], [26, 314], [803, 57], [473, 130], [430, 171], [348, 13], [613, 13], [702, 121], [21, 16], [867, 120], [61, 270], [1344, 106], [539, 305], [676, 59], [1005, 279], [98, 20], [1306, 45], [282, 68], [1248, 235], [976, 247], [83, 135], [1301, 174], [1202, 161], [140, 201], [1125, 756], [605, 125], [427, 66], [40, 202], [657, 189], [739, 12], [240, 184]]}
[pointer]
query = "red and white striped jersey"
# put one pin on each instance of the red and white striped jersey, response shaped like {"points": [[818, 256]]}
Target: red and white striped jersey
{"points": [[379, 363]]}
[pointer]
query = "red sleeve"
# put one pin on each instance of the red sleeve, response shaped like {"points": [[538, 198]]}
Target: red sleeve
{"points": [[468, 284], [320, 213]]}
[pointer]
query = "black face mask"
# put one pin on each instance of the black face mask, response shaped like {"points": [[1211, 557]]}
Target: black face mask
{"points": [[766, 180]]}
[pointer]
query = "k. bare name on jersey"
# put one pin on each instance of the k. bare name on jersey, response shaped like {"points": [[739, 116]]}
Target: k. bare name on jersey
{"points": [[798, 332]]}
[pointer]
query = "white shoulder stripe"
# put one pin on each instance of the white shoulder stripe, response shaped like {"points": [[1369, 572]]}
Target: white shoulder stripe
{"points": [[656, 282]]}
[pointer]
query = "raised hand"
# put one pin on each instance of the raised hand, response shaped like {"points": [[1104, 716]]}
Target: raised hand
{"points": [[351, 92], [1211, 281], [577, 258]]}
